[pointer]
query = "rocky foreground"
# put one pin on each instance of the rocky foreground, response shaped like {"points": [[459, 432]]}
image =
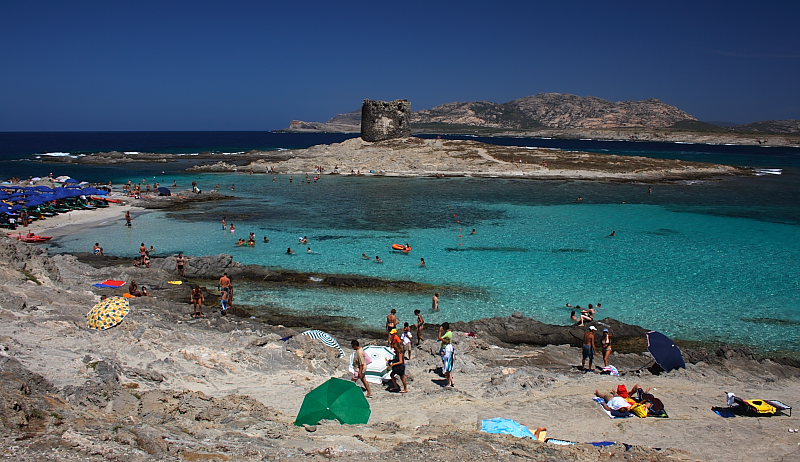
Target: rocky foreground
{"points": [[164, 386]]}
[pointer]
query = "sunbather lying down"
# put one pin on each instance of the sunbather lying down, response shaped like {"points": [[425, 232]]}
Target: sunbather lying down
{"points": [[623, 399], [613, 402]]}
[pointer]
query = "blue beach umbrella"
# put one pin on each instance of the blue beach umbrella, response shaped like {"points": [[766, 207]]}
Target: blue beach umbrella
{"points": [[664, 351], [94, 191], [71, 180], [43, 188]]}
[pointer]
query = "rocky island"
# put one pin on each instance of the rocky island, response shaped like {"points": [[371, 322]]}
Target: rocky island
{"points": [[559, 115], [385, 148]]}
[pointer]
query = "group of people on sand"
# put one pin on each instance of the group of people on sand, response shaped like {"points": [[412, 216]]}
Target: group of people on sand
{"points": [[136, 291], [588, 349], [401, 344], [197, 297], [621, 402]]}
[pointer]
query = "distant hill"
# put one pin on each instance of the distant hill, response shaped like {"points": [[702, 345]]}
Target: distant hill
{"points": [[556, 110], [785, 127], [553, 111]]}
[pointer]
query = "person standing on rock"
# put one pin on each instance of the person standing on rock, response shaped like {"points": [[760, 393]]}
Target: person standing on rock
{"points": [[605, 340], [224, 305], [445, 335], [448, 359], [398, 366], [225, 285], [420, 325], [587, 351], [360, 366], [180, 264], [391, 320], [197, 302]]}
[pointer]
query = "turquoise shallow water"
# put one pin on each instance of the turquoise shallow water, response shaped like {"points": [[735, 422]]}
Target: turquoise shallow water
{"points": [[696, 260]]}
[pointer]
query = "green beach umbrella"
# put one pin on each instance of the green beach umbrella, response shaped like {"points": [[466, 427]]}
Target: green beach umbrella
{"points": [[335, 399]]}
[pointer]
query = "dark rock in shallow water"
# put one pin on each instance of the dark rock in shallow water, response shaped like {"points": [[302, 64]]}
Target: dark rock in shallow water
{"points": [[212, 267], [773, 321], [521, 330]]}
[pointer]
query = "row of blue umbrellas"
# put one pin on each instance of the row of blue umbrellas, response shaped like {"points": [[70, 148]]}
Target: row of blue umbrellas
{"points": [[32, 196]]}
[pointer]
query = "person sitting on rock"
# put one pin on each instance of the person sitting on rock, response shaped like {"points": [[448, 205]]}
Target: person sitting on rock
{"points": [[133, 289]]}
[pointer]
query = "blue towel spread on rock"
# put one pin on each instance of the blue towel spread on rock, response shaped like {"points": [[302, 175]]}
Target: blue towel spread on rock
{"points": [[506, 427]]}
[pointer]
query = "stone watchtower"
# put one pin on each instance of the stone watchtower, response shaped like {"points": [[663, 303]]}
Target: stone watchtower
{"points": [[383, 120]]}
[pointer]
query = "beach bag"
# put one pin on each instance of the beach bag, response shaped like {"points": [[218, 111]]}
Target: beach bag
{"points": [[640, 410]]}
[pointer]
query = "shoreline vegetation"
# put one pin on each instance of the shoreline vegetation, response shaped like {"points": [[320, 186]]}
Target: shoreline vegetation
{"points": [[164, 385]]}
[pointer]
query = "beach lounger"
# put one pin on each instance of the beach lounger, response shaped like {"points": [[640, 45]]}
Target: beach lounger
{"points": [[759, 407], [781, 407]]}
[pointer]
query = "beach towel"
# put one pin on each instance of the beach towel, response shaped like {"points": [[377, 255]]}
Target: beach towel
{"points": [[724, 412], [506, 427], [560, 442], [110, 283], [600, 403], [611, 370], [176, 283]]}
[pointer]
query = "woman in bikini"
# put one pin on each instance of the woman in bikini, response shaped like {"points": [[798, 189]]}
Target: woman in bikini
{"points": [[391, 320], [197, 302], [605, 339]]}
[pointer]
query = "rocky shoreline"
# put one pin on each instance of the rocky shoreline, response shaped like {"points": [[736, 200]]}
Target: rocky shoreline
{"points": [[164, 386]]}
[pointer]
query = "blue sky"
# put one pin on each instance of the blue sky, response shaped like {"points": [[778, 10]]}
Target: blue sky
{"points": [[255, 65]]}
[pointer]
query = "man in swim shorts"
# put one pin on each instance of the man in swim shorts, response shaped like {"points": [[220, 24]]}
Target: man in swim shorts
{"points": [[588, 347], [224, 302], [180, 264]]}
